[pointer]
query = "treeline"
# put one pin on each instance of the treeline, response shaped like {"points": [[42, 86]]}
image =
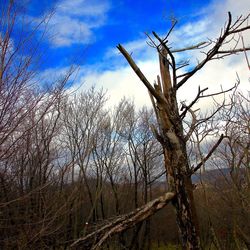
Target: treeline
{"points": [[69, 164]]}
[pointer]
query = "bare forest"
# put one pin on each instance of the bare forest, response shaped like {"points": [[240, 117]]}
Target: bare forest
{"points": [[75, 174]]}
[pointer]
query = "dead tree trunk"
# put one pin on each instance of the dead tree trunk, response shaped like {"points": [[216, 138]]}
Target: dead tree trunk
{"points": [[171, 136]]}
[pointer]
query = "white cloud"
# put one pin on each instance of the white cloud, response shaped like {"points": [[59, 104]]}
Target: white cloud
{"points": [[52, 75], [122, 81], [219, 72], [137, 48], [219, 9], [75, 21], [119, 83], [214, 75], [82, 7]]}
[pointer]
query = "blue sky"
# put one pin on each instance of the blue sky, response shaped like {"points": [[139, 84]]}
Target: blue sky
{"points": [[86, 32], [91, 27]]}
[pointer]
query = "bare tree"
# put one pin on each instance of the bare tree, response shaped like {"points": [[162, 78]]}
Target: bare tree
{"points": [[232, 160], [143, 160], [81, 118], [169, 130], [29, 114]]}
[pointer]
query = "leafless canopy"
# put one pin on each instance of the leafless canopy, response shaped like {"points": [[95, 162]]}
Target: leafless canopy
{"points": [[169, 130]]}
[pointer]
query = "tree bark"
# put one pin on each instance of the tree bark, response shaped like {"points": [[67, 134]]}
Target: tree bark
{"points": [[172, 138]]}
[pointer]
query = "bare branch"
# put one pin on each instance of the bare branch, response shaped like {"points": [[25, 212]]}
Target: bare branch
{"points": [[199, 94], [192, 127], [123, 222], [169, 32], [136, 69], [154, 105], [233, 51], [157, 177], [222, 91], [173, 64], [200, 45], [208, 155], [245, 49], [210, 54]]}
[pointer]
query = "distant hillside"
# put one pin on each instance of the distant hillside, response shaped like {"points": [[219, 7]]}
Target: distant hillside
{"points": [[215, 176], [211, 175]]}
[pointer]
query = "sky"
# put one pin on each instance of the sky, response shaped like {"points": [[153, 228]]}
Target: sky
{"points": [[86, 33]]}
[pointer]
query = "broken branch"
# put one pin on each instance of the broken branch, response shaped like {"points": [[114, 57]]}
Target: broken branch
{"points": [[121, 223]]}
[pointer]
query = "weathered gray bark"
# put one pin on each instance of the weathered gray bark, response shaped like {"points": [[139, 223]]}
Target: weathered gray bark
{"points": [[172, 138]]}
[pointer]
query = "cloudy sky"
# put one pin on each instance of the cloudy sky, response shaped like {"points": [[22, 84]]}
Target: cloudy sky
{"points": [[86, 32]]}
